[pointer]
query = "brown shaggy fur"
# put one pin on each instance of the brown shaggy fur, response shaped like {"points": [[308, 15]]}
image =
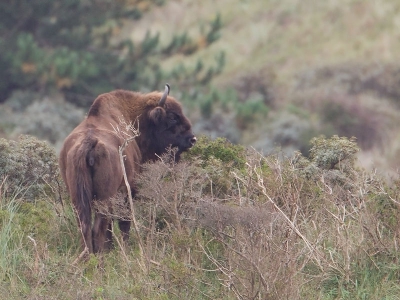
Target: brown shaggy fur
{"points": [[89, 159]]}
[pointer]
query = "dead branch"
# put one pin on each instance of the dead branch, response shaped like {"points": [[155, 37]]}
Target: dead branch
{"points": [[81, 256], [128, 134]]}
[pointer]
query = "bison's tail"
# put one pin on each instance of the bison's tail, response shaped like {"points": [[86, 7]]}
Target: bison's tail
{"points": [[83, 194]]}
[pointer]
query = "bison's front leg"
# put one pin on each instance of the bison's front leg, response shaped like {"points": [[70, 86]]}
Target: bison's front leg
{"points": [[102, 234], [124, 226]]}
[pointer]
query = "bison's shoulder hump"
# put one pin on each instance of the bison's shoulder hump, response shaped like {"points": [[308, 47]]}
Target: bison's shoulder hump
{"points": [[115, 100]]}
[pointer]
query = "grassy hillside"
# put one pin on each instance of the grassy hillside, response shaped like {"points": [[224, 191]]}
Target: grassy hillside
{"points": [[307, 57], [287, 36], [293, 70]]}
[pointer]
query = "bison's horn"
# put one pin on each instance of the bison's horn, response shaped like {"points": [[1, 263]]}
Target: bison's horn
{"points": [[164, 96]]}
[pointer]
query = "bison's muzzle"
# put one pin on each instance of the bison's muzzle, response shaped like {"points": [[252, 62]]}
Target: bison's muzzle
{"points": [[188, 143]]}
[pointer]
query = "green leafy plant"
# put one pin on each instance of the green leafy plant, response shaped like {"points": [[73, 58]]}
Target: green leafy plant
{"points": [[221, 149]]}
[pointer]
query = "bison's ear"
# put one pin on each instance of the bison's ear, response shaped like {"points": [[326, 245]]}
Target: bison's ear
{"points": [[157, 114]]}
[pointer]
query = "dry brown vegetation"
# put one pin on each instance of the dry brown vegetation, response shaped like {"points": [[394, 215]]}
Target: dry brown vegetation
{"points": [[224, 223]]}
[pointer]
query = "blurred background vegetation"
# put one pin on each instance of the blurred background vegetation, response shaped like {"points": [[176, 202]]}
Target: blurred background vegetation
{"points": [[265, 74]]}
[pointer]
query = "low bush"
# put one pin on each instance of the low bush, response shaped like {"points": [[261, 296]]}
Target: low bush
{"points": [[28, 169]]}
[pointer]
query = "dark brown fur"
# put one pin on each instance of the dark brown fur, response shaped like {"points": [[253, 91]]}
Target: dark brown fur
{"points": [[89, 159]]}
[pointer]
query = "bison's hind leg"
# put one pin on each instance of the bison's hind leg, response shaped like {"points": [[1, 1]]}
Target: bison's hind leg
{"points": [[86, 232], [102, 233]]}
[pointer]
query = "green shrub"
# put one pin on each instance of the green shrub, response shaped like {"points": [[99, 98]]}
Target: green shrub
{"points": [[221, 149], [336, 155], [28, 168], [226, 102]]}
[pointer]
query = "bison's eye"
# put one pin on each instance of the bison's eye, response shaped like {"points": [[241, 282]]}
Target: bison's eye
{"points": [[172, 120]]}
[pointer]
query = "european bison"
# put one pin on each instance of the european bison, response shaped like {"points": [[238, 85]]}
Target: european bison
{"points": [[89, 159]]}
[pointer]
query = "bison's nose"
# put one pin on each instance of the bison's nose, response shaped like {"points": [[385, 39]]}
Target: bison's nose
{"points": [[193, 140]]}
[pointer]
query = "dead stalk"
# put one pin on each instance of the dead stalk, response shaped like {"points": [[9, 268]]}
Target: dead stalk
{"points": [[120, 245], [318, 257], [1, 187], [228, 273], [36, 267], [86, 250], [128, 135], [81, 256]]}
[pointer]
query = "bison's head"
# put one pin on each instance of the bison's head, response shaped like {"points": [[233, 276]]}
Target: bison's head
{"points": [[170, 127]]}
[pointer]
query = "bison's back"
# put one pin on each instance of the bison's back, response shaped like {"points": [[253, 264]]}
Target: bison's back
{"points": [[92, 153]]}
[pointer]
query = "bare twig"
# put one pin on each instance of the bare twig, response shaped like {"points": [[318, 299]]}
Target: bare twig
{"points": [[81, 256], [36, 267], [1, 187], [120, 245], [128, 134], [86, 249], [228, 273]]}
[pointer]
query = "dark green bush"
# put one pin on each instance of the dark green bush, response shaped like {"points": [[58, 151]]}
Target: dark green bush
{"points": [[70, 46]]}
